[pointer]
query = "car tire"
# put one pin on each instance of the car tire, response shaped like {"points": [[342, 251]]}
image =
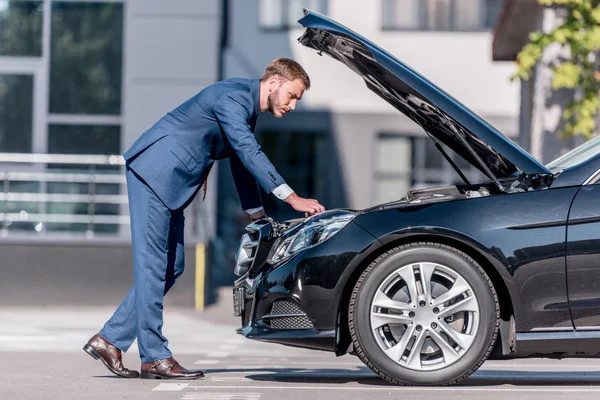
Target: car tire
{"points": [[373, 345]]}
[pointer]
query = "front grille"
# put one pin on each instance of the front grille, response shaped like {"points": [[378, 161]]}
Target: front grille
{"points": [[291, 323], [286, 307], [285, 314]]}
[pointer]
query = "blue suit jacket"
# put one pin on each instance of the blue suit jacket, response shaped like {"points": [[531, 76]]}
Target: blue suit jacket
{"points": [[175, 155]]}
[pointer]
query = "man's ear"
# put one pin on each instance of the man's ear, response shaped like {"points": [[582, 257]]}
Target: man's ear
{"points": [[273, 82]]}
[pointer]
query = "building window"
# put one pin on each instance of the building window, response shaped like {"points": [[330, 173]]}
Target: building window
{"points": [[84, 139], [440, 15], [84, 76], [21, 28], [16, 108], [86, 58], [404, 162], [284, 14]]}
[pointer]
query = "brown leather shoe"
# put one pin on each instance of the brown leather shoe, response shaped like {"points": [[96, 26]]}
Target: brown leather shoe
{"points": [[99, 348], [168, 368]]}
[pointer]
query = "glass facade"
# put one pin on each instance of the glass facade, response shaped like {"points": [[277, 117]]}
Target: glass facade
{"points": [[84, 74], [81, 83], [440, 15], [16, 113], [84, 139], [21, 28], [86, 58]]}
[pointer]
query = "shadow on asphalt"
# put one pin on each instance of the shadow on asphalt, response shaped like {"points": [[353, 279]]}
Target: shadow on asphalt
{"points": [[307, 375], [365, 376]]}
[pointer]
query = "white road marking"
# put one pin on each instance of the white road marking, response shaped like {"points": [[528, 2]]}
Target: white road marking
{"points": [[221, 396], [170, 387], [207, 362]]}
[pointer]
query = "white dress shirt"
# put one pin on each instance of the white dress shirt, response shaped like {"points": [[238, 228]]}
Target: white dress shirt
{"points": [[281, 192]]}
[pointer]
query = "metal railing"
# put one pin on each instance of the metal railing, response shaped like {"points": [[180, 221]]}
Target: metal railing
{"points": [[46, 194]]}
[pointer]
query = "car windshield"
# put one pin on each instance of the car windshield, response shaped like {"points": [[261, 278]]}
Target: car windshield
{"points": [[576, 156]]}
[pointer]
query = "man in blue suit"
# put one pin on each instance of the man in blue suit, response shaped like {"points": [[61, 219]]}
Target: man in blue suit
{"points": [[165, 169]]}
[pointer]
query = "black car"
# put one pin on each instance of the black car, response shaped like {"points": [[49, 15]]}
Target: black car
{"points": [[425, 289]]}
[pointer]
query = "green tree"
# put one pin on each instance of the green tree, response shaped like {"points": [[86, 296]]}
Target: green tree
{"points": [[580, 32]]}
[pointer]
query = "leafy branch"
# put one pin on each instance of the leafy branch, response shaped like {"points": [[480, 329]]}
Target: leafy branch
{"points": [[580, 33]]}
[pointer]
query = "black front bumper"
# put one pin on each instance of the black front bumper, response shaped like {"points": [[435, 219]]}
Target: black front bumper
{"points": [[297, 302], [289, 329]]}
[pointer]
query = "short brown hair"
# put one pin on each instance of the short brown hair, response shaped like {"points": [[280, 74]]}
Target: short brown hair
{"points": [[287, 69]]}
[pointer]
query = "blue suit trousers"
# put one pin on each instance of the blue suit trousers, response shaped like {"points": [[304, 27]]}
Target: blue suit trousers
{"points": [[158, 260]]}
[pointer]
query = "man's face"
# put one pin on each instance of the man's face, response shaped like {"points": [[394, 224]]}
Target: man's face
{"points": [[284, 97]]}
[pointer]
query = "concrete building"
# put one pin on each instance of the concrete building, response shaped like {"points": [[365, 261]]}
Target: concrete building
{"points": [[87, 77]]}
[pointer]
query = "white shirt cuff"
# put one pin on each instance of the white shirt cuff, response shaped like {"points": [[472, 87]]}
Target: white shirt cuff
{"points": [[253, 210], [282, 191]]}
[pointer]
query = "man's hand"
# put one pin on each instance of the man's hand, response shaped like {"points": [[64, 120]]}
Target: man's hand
{"points": [[300, 204], [257, 215]]}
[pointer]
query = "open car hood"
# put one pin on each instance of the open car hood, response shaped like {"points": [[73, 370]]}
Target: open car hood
{"points": [[445, 119]]}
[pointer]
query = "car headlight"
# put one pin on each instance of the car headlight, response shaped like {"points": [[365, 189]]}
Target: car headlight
{"points": [[315, 230]]}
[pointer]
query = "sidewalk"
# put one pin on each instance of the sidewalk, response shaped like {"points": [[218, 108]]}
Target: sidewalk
{"points": [[221, 312], [69, 328]]}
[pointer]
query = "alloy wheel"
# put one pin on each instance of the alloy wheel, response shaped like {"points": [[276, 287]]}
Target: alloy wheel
{"points": [[424, 316]]}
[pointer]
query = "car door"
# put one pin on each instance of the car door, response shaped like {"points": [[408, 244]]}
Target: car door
{"points": [[583, 258]]}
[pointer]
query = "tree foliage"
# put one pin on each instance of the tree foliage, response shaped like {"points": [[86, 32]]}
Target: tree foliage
{"points": [[580, 33]]}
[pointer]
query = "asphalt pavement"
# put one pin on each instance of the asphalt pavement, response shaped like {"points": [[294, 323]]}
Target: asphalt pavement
{"points": [[41, 358]]}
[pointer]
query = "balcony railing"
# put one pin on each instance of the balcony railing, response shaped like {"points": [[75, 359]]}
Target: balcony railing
{"points": [[59, 194]]}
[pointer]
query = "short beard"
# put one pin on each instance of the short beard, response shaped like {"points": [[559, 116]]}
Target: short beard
{"points": [[273, 102]]}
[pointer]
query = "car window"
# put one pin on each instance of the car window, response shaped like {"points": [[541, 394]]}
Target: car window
{"points": [[576, 156]]}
